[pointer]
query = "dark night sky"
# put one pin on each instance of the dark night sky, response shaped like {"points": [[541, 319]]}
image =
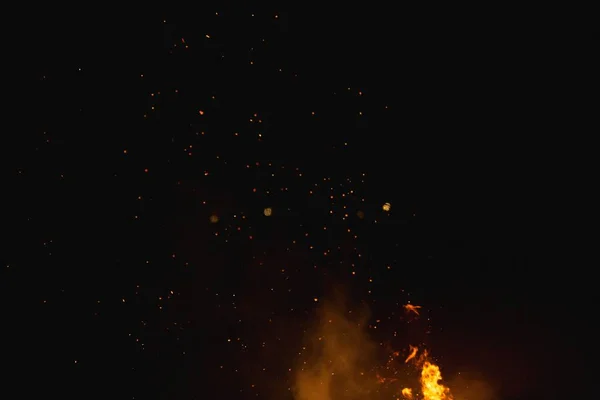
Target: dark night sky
{"points": [[111, 273]]}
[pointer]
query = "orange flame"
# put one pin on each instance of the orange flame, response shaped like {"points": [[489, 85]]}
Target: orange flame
{"points": [[413, 353], [333, 367], [430, 386]]}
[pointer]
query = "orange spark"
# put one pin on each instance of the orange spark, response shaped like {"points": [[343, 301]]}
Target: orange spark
{"points": [[407, 393], [413, 308], [382, 379]]}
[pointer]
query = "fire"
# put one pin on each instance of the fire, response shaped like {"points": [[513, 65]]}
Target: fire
{"points": [[431, 389], [340, 349], [430, 377], [430, 386]]}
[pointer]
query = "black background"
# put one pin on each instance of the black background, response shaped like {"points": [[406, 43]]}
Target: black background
{"points": [[470, 153]]}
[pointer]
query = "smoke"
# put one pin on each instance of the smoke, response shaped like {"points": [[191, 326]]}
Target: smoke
{"points": [[469, 387], [337, 358], [340, 361]]}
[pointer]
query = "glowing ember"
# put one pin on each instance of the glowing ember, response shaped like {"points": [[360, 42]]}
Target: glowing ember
{"points": [[407, 393], [412, 308]]}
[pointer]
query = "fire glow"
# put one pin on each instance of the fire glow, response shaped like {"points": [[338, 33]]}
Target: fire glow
{"points": [[335, 363], [431, 388], [430, 377]]}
